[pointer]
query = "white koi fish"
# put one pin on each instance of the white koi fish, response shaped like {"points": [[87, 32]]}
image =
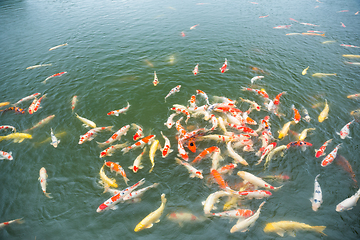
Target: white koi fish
{"points": [[348, 203], [32, 106], [243, 225], [172, 91], [141, 143], [116, 136], [193, 27], [27, 98], [136, 195], [258, 194], [256, 180], [117, 112], [166, 150], [86, 122], [235, 156], [170, 122], [193, 171], [344, 132], [252, 103], [61, 45], [212, 199], [42, 179], [256, 78], [137, 162], [54, 140], [316, 200], [6, 155], [199, 92], [40, 65], [41, 123], [139, 133], [91, 134], [196, 69], [156, 80], [153, 217]]}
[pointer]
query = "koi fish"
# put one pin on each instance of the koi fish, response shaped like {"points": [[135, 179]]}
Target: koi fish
{"points": [[37, 104], [224, 66], [116, 136], [216, 175], [310, 24], [111, 202], [136, 195], [153, 217], [54, 140], [330, 157], [156, 80], [343, 25], [256, 78], [340, 160], [351, 56], [282, 227], [8, 127], [263, 16], [305, 71], [182, 110], [260, 92], [61, 45], [212, 199], [199, 92], [277, 98], [301, 144], [91, 134], [170, 122], [320, 152], [86, 122], [3, 104], [55, 75], [139, 133], [137, 162], [183, 34], [32, 106], [258, 194], [266, 151], [182, 153], [326, 42], [27, 98], [306, 115], [154, 146], [204, 153], [141, 143], [109, 151], [73, 103], [292, 34], [236, 213], [234, 155], [184, 217], [320, 75], [191, 144], [273, 152], [284, 131], [40, 65], [6, 155], [348, 203], [117, 112], [166, 150], [15, 109], [193, 27], [344, 132], [243, 225], [297, 116], [42, 179], [19, 221], [172, 91], [17, 137], [105, 180], [282, 27], [353, 63], [227, 168], [324, 114], [196, 69], [303, 134], [344, 45], [255, 180], [193, 171], [253, 104], [316, 200], [314, 34], [293, 20], [118, 169]]}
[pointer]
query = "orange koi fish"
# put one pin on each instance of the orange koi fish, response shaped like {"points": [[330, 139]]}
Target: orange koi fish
{"points": [[219, 179], [277, 98], [118, 169], [297, 116], [204, 153], [227, 168], [191, 144], [140, 143]]}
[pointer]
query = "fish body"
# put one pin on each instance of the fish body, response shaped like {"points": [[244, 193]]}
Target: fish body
{"points": [[139, 133], [137, 162], [266, 151], [19, 221], [301, 144], [73, 103], [153, 217], [314, 34], [40, 65], [6, 155], [310, 24], [224, 66], [193, 27], [353, 63], [326, 42], [91, 134], [55, 75], [255, 180], [297, 116], [284, 131], [105, 180], [357, 95], [141, 143], [203, 94], [15, 109], [324, 114], [235, 155], [17, 137], [193, 171], [196, 69], [109, 151], [330, 157], [61, 45], [340, 160], [282, 27], [305, 71], [351, 56], [258, 194], [182, 153], [32, 106], [316, 200], [43, 183], [236, 213], [116, 136], [37, 104], [347, 45], [260, 92], [256, 78], [172, 91], [27, 98], [170, 122], [182, 110], [303, 134], [86, 122], [166, 150], [273, 152], [216, 175], [182, 217], [212, 199], [253, 104], [344, 132], [306, 115], [290, 227], [321, 151], [277, 98], [348, 203], [117, 112], [136, 195], [54, 140], [320, 75], [343, 25], [243, 225], [118, 169], [204, 153], [4, 127], [154, 146], [156, 80]]}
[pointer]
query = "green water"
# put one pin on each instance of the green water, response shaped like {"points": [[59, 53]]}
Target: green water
{"points": [[110, 45]]}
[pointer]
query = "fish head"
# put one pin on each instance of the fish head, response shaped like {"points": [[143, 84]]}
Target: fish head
{"points": [[269, 228], [340, 208]]}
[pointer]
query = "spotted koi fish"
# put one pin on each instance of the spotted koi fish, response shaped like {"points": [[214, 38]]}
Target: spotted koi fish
{"points": [[91, 134], [180, 128], [116, 136], [109, 151], [15, 109], [277, 98], [139, 133], [260, 92], [182, 153], [344, 132], [196, 69], [199, 92], [236, 213], [141, 143], [330, 157], [204, 153], [266, 151], [55, 75], [166, 150], [8, 127], [6, 155], [32, 106], [19, 221], [137, 162], [172, 91], [27, 98], [73, 103], [117, 112], [170, 122], [182, 110], [227, 168], [41, 123], [258, 194], [37, 104], [244, 129], [320, 152], [193, 171], [256, 180], [252, 103], [118, 169]]}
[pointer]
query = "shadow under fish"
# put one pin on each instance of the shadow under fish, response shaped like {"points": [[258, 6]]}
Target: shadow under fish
{"points": [[340, 160]]}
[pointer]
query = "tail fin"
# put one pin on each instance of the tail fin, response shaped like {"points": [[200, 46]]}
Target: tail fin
{"points": [[47, 195], [102, 144], [20, 220], [320, 229]]}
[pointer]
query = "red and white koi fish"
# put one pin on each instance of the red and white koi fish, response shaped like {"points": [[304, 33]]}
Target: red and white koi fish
{"points": [[109, 151], [19, 221], [116, 136], [182, 110], [204, 153], [263, 16], [244, 129], [253, 103], [293, 20], [236, 213], [343, 25], [166, 150], [192, 102], [248, 120], [199, 92], [42, 179], [73, 103], [137, 162], [6, 155], [310, 24], [136, 195], [356, 95], [8, 127], [256, 180], [353, 63], [172, 91], [196, 69], [91, 134], [117, 112], [243, 225], [55, 75], [224, 66], [191, 28], [193, 171], [41, 123], [282, 27], [266, 151], [344, 45], [315, 31], [344, 132], [156, 80], [27, 98], [330, 157], [256, 78], [357, 13], [61, 45], [260, 92], [214, 122], [170, 122], [180, 128], [182, 153], [277, 98], [32, 106], [183, 34], [139, 133], [140, 143], [118, 169], [258, 194], [343, 11], [320, 152], [297, 116], [111, 202], [37, 104], [227, 168]]}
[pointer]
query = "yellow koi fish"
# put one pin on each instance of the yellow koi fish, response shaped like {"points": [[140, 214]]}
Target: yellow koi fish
{"points": [[153, 148], [351, 56], [305, 71], [324, 114], [284, 131], [290, 227], [153, 217], [105, 180], [17, 137], [303, 134], [272, 153], [86, 122], [4, 104], [326, 42], [320, 75], [40, 65]]}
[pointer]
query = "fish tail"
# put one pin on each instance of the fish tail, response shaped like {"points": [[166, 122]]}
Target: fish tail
{"points": [[47, 195], [320, 229], [101, 144], [20, 220], [323, 35], [44, 82]]}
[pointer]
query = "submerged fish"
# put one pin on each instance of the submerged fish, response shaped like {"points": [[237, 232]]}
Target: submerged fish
{"points": [[305, 70], [182, 217], [351, 56], [40, 65], [341, 160], [61, 45], [290, 227], [320, 75], [17, 137]]}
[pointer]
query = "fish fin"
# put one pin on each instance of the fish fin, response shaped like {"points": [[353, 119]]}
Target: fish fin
{"points": [[116, 114], [192, 175], [348, 136], [320, 229], [292, 233], [131, 167], [311, 200], [203, 202], [149, 226], [280, 232], [303, 148], [157, 221], [47, 195], [21, 140], [181, 224], [114, 207]]}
